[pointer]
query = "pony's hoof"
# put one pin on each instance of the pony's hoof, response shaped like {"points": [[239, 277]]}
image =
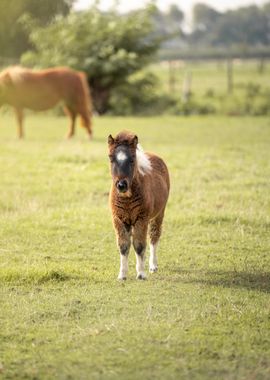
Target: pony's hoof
{"points": [[141, 276], [153, 269], [121, 278]]}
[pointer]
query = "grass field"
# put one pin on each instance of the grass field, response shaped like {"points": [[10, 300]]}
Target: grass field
{"points": [[205, 314]]}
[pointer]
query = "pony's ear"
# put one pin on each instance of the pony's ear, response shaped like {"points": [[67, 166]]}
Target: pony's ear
{"points": [[135, 140], [110, 140]]}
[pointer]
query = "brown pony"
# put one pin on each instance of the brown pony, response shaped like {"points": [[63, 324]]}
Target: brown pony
{"points": [[138, 197], [43, 89]]}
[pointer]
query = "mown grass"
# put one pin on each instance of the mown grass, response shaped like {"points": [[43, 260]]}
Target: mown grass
{"points": [[205, 314]]}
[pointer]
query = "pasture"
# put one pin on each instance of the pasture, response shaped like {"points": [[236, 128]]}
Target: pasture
{"points": [[204, 314], [212, 75], [250, 86]]}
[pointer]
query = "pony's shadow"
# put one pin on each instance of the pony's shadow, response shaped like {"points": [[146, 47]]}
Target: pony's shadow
{"points": [[258, 281]]}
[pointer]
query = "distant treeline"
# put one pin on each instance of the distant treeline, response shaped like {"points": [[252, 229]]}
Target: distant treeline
{"points": [[242, 33]]}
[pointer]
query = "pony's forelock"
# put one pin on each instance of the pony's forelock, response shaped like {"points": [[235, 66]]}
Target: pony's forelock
{"points": [[143, 162]]}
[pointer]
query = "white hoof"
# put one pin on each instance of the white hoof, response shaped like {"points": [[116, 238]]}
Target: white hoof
{"points": [[153, 268], [141, 276], [121, 277]]}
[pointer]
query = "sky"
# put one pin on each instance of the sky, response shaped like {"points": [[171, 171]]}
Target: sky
{"points": [[185, 5]]}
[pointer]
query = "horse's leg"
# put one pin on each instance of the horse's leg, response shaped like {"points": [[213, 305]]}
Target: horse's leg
{"points": [[72, 115], [139, 244], [154, 233], [86, 122], [19, 117], [123, 233]]}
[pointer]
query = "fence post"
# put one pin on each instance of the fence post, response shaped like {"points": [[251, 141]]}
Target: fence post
{"points": [[261, 66], [186, 90], [171, 77]]}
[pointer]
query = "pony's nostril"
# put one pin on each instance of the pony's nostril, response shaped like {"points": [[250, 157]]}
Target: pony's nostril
{"points": [[122, 185]]}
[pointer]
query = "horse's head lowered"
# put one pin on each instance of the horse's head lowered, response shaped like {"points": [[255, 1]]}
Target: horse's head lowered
{"points": [[122, 154]]}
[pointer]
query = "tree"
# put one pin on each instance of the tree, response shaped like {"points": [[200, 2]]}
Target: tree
{"points": [[204, 17], [245, 26], [168, 24], [13, 37], [107, 46]]}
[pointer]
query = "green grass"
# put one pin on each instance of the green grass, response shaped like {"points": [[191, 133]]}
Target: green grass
{"points": [[205, 314]]}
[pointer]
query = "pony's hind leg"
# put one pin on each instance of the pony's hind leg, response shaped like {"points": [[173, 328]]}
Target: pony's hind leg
{"points": [[19, 117], [72, 115], [154, 233], [86, 123], [123, 235], [139, 244]]}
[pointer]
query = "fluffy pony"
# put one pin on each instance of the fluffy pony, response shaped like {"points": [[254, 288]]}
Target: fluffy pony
{"points": [[138, 197]]}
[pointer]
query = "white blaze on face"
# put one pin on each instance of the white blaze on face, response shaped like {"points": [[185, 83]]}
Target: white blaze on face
{"points": [[121, 156], [143, 161]]}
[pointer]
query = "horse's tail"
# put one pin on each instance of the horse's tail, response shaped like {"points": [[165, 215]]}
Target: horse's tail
{"points": [[86, 103]]}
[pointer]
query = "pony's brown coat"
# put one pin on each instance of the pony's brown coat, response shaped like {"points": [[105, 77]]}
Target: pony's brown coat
{"points": [[142, 205], [43, 89]]}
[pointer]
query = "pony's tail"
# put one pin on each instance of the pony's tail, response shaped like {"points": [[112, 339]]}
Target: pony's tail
{"points": [[86, 115]]}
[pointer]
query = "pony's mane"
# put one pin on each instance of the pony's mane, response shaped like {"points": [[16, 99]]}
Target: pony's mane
{"points": [[143, 161]]}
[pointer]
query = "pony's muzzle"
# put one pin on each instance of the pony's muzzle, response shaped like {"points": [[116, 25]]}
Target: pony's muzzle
{"points": [[122, 186]]}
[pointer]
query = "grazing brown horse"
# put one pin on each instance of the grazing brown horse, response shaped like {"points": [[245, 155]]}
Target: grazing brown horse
{"points": [[138, 197], [43, 89]]}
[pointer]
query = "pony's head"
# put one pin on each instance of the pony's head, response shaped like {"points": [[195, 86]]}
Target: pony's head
{"points": [[122, 155]]}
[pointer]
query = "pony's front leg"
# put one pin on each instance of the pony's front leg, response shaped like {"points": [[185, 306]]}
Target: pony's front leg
{"points": [[123, 242], [139, 244]]}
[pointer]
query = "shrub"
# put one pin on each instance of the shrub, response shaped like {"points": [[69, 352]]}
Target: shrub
{"points": [[107, 46], [140, 96]]}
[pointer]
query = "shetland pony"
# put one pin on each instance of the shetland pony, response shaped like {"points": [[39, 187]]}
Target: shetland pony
{"points": [[138, 197], [43, 89]]}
